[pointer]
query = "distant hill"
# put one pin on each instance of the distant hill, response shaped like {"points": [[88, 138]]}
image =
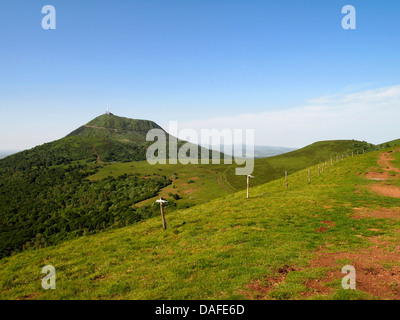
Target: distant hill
{"points": [[267, 151], [107, 138], [272, 168], [259, 151], [390, 144]]}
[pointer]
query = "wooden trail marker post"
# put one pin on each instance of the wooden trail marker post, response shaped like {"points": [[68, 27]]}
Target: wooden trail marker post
{"points": [[322, 167], [309, 176], [331, 162], [318, 171], [287, 183], [248, 185], [162, 201]]}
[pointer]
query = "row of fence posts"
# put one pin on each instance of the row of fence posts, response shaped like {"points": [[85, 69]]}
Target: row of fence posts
{"points": [[321, 167]]}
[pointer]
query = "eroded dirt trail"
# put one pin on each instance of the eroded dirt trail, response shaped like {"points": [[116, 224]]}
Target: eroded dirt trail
{"points": [[386, 173], [386, 189], [377, 267], [385, 162], [386, 168]]}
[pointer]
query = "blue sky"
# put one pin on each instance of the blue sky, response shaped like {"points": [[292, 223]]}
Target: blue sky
{"points": [[202, 63]]}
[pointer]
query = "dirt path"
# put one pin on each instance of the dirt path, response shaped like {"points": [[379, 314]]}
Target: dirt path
{"points": [[222, 185], [387, 190], [377, 270], [377, 273], [97, 155], [379, 213], [387, 169], [387, 172], [103, 128], [377, 267], [385, 162]]}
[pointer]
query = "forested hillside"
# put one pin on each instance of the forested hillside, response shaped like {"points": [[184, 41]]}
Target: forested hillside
{"points": [[43, 206]]}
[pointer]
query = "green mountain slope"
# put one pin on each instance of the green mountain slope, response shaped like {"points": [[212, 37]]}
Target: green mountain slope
{"points": [[106, 138], [389, 144], [272, 168], [116, 128], [229, 248], [45, 197]]}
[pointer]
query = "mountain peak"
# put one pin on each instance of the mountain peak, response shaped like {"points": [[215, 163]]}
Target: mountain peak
{"points": [[110, 125]]}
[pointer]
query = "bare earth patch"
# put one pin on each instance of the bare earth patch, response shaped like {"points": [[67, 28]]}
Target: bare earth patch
{"points": [[28, 297], [377, 175], [328, 223], [377, 271], [386, 190], [384, 163], [380, 213], [260, 291]]}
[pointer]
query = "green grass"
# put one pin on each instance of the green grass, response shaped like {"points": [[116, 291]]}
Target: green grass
{"points": [[214, 250], [219, 180], [272, 168], [392, 143], [207, 179]]}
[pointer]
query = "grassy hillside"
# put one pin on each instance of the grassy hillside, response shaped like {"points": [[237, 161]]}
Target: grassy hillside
{"points": [[195, 184], [271, 246], [390, 144], [272, 168], [118, 128], [61, 201], [265, 169]]}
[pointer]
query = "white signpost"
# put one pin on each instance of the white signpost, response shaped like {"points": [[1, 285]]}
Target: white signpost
{"points": [[162, 201]]}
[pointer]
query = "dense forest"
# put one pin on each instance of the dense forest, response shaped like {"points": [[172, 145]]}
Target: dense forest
{"points": [[42, 206]]}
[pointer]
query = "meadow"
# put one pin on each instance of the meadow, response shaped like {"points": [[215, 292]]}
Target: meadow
{"points": [[270, 246]]}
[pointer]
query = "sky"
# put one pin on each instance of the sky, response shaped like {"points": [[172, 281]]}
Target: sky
{"points": [[286, 69]]}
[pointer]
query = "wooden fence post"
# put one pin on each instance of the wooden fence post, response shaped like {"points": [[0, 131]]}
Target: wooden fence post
{"points": [[287, 183], [309, 176], [248, 185], [162, 201], [318, 171]]}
